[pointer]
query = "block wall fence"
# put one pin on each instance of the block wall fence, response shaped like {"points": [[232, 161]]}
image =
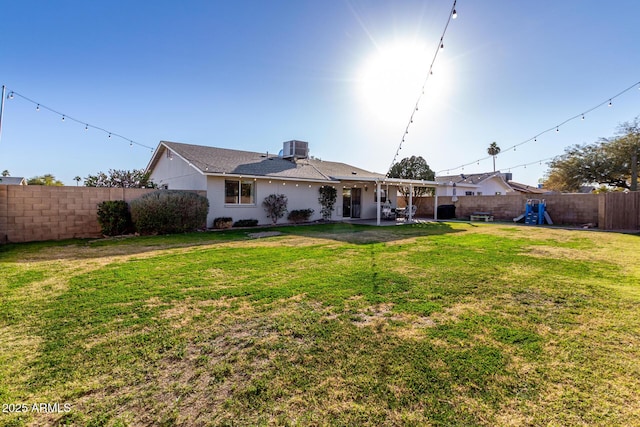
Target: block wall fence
{"points": [[35, 212], [611, 211]]}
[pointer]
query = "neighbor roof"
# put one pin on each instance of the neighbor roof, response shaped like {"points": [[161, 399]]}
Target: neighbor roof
{"points": [[524, 188], [12, 180], [216, 161], [473, 178]]}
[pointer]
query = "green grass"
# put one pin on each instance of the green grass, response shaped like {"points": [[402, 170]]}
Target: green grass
{"points": [[434, 324]]}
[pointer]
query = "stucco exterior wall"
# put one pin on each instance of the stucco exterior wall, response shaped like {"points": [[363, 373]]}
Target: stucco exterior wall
{"points": [[176, 174], [300, 195], [488, 187]]}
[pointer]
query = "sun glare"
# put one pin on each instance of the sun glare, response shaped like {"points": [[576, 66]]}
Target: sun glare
{"points": [[392, 78]]}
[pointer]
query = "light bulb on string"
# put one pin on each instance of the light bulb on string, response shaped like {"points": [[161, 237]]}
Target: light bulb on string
{"points": [[63, 118], [557, 129], [454, 15], [38, 107], [10, 95], [109, 135], [610, 103], [441, 45], [86, 127]]}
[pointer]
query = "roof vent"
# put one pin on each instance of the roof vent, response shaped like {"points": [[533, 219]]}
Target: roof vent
{"points": [[295, 149]]}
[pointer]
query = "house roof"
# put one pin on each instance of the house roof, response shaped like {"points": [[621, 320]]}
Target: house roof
{"points": [[223, 161], [524, 188], [12, 180], [474, 178]]}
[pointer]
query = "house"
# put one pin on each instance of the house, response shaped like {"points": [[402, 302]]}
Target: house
{"points": [[12, 180], [236, 182], [478, 184]]}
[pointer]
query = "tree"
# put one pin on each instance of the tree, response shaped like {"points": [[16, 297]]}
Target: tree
{"points": [[6, 173], [46, 179], [276, 206], [493, 151], [77, 179], [136, 178], [327, 200], [609, 161], [412, 168]]}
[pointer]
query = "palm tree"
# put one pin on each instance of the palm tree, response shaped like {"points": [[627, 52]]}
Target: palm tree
{"points": [[77, 179], [5, 172], [493, 151]]}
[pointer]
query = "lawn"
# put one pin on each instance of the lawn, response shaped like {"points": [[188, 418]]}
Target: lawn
{"points": [[447, 324]]}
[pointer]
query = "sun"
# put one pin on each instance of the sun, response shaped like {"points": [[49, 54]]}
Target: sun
{"points": [[391, 80]]}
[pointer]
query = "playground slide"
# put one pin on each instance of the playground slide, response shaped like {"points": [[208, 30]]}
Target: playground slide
{"points": [[516, 219]]}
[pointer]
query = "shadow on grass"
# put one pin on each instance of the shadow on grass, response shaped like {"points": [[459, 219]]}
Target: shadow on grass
{"points": [[367, 234], [78, 249]]}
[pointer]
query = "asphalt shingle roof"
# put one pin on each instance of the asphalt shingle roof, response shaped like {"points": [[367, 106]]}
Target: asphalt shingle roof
{"points": [[227, 161]]}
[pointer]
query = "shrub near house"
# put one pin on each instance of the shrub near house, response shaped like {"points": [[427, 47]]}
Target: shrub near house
{"points": [[169, 211], [300, 215]]}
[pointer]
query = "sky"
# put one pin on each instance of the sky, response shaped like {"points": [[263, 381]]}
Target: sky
{"points": [[343, 75]]}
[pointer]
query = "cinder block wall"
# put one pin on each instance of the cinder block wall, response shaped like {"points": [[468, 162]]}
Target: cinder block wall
{"points": [[35, 212], [566, 209]]}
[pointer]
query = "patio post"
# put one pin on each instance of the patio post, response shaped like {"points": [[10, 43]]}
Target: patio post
{"points": [[378, 202], [410, 201], [435, 204]]}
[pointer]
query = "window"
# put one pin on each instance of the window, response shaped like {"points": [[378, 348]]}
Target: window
{"points": [[498, 193], [479, 193], [383, 195], [468, 193], [239, 192]]}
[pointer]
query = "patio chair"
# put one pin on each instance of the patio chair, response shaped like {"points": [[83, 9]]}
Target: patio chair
{"points": [[414, 209], [387, 212]]}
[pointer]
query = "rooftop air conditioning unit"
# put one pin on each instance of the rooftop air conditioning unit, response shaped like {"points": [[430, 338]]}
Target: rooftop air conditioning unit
{"points": [[295, 149]]}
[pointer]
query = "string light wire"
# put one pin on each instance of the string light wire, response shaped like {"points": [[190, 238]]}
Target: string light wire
{"points": [[556, 128], [82, 122], [453, 14]]}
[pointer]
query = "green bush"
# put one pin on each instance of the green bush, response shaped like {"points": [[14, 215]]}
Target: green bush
{"points": [[246, 223], [300, 215], [169, 211], [114, 217], [223, 222], [327, 200]]}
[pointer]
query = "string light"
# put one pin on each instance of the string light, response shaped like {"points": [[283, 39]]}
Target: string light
{"points": [[452, 15], [610, 103], [556, 127], [64, 118]]}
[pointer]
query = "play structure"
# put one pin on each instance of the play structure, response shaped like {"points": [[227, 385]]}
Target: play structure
{"points": [[535, 213]]}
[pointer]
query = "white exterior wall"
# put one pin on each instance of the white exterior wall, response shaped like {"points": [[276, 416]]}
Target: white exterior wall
{"points": [[492, 186], [176, 174], [300, 195], [488, 188]]}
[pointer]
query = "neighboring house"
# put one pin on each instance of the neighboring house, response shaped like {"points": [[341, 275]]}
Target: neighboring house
{"points": [[478, 184], [12, 180], [237, 182]]}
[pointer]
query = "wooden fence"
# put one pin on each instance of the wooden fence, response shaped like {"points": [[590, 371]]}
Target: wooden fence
{"points": [[620, 211]]}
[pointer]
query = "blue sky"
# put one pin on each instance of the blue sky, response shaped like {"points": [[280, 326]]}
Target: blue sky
{"points": [[252, 74]]}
